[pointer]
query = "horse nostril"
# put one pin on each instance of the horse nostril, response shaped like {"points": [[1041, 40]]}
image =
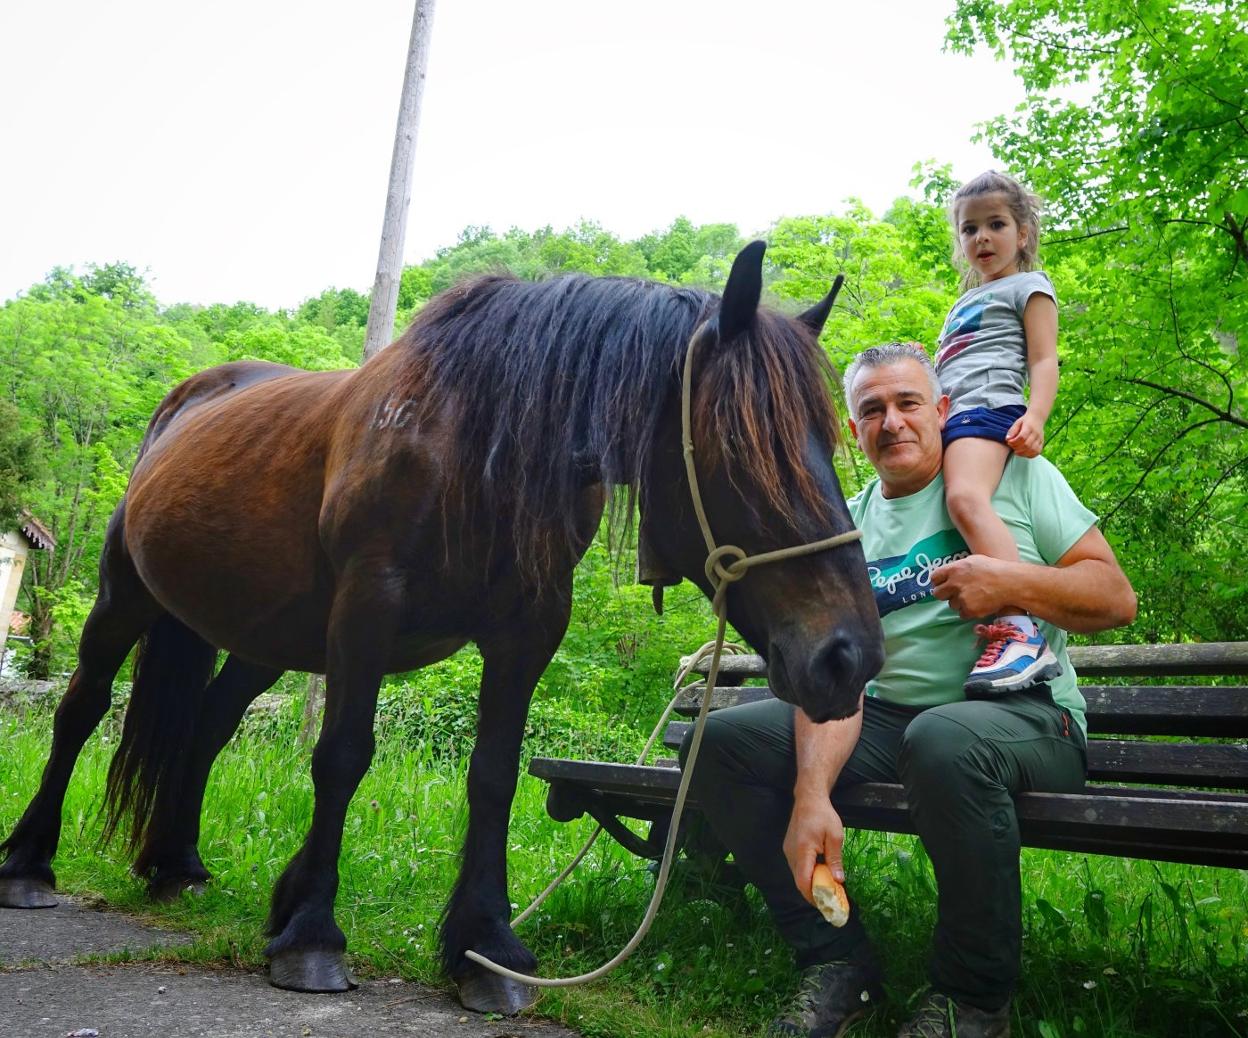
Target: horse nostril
{"points": [[844, 660], [840, 658]]}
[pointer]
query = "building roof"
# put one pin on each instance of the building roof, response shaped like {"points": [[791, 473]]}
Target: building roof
{"points": [[35, 532]]}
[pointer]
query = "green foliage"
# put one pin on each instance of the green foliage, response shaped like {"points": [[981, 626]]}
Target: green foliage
{"points": [[689, 254], [85, 361], [20, 463], [894, 289], [281, 341]]}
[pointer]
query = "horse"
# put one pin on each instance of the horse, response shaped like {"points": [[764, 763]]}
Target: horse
{"points": [[357, 523]]}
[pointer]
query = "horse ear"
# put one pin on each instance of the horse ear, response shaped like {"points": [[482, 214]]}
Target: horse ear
{"points": [[815, 317], [741, 294]]}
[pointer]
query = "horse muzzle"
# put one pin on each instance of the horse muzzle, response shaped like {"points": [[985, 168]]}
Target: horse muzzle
{"points": [[825, 679]]}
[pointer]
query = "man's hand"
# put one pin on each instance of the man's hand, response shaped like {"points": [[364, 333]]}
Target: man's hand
{"points": [[1026, 436], [975, 586], [814, 828]]}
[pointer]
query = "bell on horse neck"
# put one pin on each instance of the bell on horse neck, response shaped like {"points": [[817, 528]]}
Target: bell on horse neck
{"points": [[651, 571]]}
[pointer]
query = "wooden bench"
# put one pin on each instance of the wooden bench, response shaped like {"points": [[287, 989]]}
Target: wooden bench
{"points": [[1167, 765]]}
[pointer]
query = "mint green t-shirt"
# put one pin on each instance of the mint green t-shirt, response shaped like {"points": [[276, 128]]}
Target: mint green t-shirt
{"points": [[928, 648]]}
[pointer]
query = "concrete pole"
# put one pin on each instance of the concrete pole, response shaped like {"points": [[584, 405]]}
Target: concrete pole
{"points": [[385, 300]]}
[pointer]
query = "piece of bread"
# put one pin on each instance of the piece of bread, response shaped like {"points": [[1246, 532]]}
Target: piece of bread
{"points": [[830, 897]]}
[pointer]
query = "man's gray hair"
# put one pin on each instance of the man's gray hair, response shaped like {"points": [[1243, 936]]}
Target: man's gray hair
{"points": [[883, 356]]}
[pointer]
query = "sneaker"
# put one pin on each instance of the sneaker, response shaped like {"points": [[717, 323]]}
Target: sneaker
{"points": [[939, 1016], [1011, 661], [831, 997]]}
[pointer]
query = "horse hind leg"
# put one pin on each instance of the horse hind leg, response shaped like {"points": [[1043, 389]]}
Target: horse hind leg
{"points": [[123, 610], [169, 857]]}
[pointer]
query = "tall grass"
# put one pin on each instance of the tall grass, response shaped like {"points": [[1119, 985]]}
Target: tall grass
{"points": [[1113, 947]]}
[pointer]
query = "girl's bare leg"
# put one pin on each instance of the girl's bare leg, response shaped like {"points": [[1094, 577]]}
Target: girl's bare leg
{"points": [[1017, 655]]}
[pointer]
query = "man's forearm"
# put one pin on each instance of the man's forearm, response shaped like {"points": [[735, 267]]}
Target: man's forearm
{"points": [[1084, 597], [822, 750]]}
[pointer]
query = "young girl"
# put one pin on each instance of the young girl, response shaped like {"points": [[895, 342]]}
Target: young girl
{"points": [[999, 335]]}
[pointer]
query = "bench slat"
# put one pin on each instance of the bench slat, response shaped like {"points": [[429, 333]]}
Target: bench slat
{"points": [[1189, 710], [691, 702], [1180, 764], [1119, 760], [1199, 710], [1220, 658], [1093, 660]]}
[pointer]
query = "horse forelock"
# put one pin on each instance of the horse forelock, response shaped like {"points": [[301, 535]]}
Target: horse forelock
{"points": [[561, 383], [758, 404]]}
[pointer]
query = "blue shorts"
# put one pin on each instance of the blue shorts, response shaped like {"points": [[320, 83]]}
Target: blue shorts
{"points": [[984, 423]]}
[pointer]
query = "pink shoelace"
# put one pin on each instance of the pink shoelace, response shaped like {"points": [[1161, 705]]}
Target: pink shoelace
{"points": [[998, 634]]}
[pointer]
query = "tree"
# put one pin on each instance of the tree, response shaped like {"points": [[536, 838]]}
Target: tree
{"points": [[1147, 188], [691, 255], [20, 464], [85, 361]]}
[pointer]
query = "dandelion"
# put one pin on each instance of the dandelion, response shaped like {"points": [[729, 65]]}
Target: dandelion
{"points": [[1109, 971]]}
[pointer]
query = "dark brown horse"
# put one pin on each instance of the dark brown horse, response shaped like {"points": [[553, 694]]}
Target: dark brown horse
{"points": [[362, 522]]}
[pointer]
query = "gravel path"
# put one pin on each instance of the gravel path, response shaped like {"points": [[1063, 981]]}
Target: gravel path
{"points": [[45, 993]]}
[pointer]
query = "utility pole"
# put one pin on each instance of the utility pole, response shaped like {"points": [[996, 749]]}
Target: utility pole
{"points": [[385, 300]]}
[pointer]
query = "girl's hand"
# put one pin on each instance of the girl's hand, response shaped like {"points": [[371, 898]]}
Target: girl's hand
{"points": [[1026, 436]]}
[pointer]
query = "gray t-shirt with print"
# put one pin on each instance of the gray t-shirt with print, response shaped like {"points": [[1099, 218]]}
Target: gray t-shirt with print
{"points": [[982, 355]]}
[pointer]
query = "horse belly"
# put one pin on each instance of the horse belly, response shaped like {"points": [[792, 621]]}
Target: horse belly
{"points": [[221, 522]]}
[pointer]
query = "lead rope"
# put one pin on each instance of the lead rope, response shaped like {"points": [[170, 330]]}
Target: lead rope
{"points": [[719, 576]]}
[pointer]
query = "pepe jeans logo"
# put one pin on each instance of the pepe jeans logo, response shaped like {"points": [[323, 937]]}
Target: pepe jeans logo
{"points": [[905, 579]]}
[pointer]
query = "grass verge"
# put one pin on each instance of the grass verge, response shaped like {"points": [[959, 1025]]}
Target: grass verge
{"points": [[1114, 948]]}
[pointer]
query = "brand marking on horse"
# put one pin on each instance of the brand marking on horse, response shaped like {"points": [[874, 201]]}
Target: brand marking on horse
{"points": [[394, 414]]}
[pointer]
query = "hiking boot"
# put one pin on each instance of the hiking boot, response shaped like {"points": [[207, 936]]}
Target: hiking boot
{"points": [[831, 996], [939, 1016], [1011, 661]]}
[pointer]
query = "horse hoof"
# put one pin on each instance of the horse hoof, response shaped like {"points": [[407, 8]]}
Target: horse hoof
{"points": [[170, 889], [314, 971], [487, 992], [19, 892]]}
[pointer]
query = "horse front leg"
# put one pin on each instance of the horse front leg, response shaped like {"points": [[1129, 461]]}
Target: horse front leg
{"points": [[307, 949], [479, 912]]}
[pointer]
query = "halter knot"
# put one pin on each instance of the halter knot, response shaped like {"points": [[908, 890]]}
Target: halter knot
{"points": [[719, 574]]}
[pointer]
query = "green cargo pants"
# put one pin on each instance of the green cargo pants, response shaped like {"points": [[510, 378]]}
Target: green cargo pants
{"points": [[961, 765]]}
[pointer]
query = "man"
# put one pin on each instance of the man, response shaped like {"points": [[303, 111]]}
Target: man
{"points": [[765, 771]]}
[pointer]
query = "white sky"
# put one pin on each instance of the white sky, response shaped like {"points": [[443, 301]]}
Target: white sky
{"points": [[240, 149]]}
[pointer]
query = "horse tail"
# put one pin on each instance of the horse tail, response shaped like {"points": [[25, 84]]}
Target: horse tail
{"points": [[172, 668]]}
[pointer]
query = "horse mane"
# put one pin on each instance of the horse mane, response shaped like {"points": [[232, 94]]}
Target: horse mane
{"points": [[559, 384]]}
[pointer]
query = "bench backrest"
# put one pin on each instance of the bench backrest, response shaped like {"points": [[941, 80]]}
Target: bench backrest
{"points": [[1138, 733]]}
